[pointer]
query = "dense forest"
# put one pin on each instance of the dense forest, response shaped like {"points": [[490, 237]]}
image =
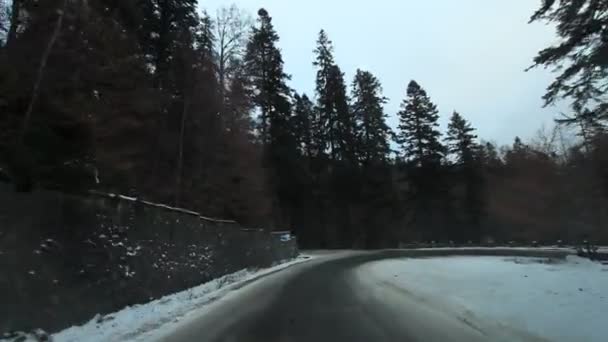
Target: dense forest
{"points": [[158, 100]]}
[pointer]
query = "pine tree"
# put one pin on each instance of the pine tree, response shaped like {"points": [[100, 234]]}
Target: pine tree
{"points": [[167, 30], [580, 55], [489, 156], [264, 65], [466, 154], [517, 154], [461, 140], [205, 40], [375, 196], [367, 107], [93, 96], [418, 133], [324, 123], [301, 124], [335, 123], [122, 97], [422, 152], [163, 21], [270, 95], [345, 126]]}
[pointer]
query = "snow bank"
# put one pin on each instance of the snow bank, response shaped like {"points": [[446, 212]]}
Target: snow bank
{"points": [[132, 323], [556, 300]]}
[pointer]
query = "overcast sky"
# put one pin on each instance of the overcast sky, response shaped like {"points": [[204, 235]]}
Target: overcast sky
{"points": [[470, 55]]}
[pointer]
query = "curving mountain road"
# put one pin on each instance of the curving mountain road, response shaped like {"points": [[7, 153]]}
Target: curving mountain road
{"points": [[331, 299]]}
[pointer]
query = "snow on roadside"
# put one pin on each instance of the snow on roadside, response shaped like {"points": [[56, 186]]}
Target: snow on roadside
{"points": [[557, 300], [137, 320]]}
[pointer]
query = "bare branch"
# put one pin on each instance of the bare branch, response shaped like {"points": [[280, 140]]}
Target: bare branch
{"points": [[232, 26], [41, 70]]}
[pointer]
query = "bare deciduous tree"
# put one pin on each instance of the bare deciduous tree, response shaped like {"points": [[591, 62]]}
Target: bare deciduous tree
{"points": [[232, 25], [555, 142], [545, 140]]}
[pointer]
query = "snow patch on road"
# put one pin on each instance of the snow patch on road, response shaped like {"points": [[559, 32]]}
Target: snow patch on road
{"points": [[136, 322], [563, 300]]}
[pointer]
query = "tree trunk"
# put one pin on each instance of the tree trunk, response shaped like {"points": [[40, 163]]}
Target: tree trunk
{"points": [[180, 157], [222, 73], [40, 74]]}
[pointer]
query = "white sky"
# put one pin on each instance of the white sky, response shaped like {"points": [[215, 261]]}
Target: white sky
{"points": [[470, 55]]}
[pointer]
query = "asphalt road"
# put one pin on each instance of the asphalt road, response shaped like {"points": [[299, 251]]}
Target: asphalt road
{"points": [[330, 299]]}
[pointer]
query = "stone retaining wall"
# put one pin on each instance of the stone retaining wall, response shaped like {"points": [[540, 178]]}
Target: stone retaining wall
{"points": [[65, 258]]}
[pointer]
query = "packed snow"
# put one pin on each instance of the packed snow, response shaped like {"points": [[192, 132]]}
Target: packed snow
{"points": [[556, 300], [139, 322]]}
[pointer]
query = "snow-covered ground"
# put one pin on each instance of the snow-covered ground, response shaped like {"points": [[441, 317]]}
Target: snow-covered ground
{"points": [[142, 322], [555, 300]]}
